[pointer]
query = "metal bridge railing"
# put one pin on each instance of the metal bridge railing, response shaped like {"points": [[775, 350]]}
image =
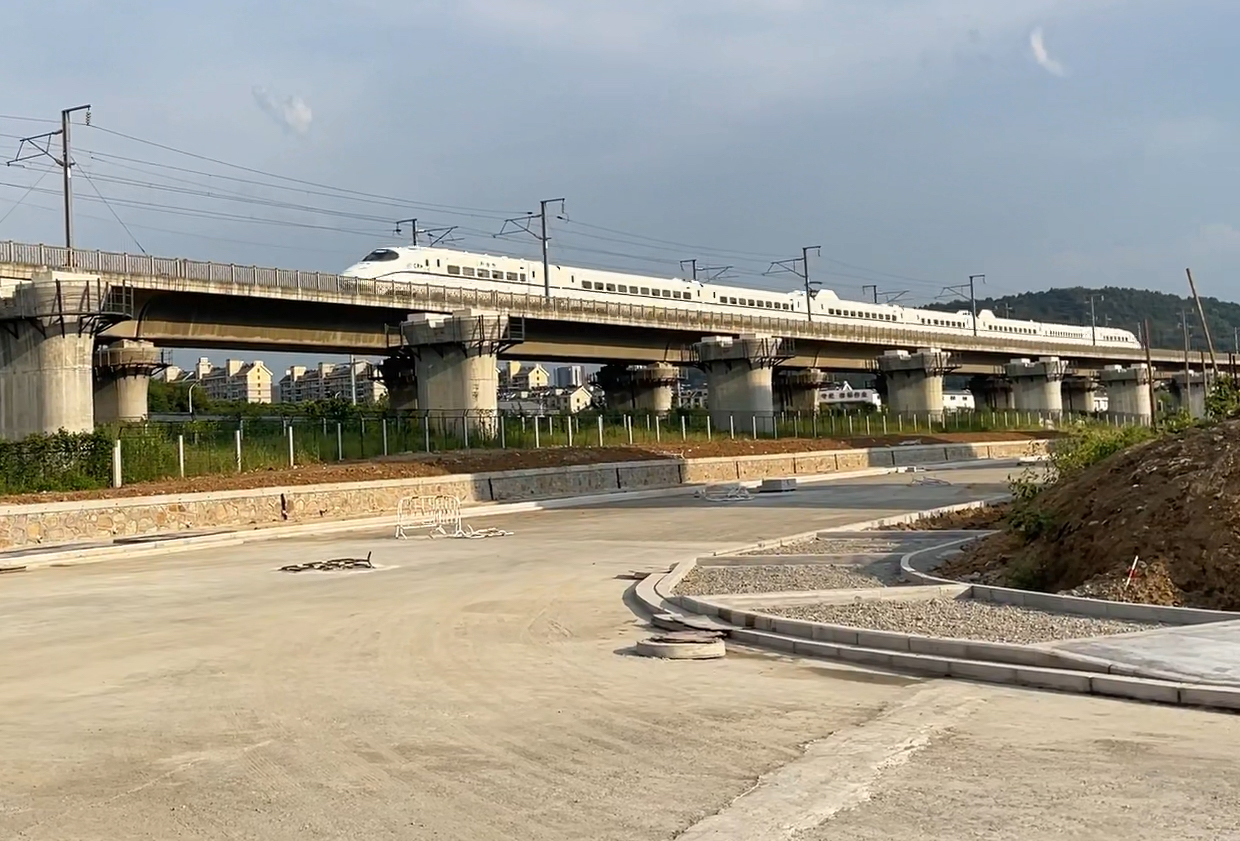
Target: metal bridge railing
{"points": [[178, 274]]}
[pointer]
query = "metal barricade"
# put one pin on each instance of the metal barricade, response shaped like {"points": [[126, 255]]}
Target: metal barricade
{"points": [[439, 513]]}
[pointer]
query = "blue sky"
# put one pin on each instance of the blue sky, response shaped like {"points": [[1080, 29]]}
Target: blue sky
{"points": [[916, 141]]}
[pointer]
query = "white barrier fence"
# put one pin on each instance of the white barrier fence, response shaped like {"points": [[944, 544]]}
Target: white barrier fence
{"points": [[440, 515]]}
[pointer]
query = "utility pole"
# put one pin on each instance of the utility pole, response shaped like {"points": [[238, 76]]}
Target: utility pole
{"points": [[41, 144], [1187, 375], [1192, 287], [1093, 317], [1149, 380], [959, 290], [413, 228], [791, 266], [523, 224], [353, 379], [973, 298]]}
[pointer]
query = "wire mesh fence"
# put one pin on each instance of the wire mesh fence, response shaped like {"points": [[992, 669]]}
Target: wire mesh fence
{"points": [[165, 450]]}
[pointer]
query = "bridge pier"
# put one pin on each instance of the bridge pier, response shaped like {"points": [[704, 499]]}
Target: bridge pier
{"points": [[456, 370], [991, 392], [915, 381], [1078, 394], [1189, 392], [738, 380], [400, 378], [123, 372], [47, 341], [797, 389], [1128, 393], [1036, 385], [644, 388]]}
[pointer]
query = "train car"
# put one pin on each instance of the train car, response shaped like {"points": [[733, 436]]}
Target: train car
{"points": [[432, 266]]}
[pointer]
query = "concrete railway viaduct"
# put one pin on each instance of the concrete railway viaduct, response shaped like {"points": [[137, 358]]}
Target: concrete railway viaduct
{"points": [[82, 332]]}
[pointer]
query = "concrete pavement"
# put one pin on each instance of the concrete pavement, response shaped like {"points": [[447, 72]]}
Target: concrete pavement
{"points": [[486, 690]]}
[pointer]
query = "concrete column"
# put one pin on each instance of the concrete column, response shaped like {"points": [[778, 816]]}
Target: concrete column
{"points": [[46, 348], [1128, 394], [915, 381], [1079, 394], [123, 372], [797, 389], [640, 388], [991, 392], [738, 380], [1036, 385], [1189, 392], [456, 374], [45, 382], [399, 376]]}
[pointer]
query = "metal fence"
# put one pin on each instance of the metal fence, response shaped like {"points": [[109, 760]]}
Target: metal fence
{"points": [[172, 449]]}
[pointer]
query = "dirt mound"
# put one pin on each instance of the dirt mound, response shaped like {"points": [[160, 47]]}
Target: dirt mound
{"points": [[1173, 503]]}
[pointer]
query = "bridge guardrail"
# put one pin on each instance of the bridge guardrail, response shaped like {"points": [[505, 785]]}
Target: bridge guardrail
{"points": [[184, 274]]}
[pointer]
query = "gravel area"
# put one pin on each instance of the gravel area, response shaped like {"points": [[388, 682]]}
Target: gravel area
{"points": [[961, 619], [827, 546], [782, 578]]}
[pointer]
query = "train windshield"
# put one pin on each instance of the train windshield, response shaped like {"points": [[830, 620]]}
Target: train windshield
{"points": [[380, 256]]}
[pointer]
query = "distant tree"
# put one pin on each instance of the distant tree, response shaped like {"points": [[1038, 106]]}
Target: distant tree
{"points": [[1119, 307]]}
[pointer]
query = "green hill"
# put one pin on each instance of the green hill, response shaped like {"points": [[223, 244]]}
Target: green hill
{"points": [[1123, 308]]}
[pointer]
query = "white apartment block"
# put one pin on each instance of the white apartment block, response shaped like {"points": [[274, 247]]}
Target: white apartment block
{"points": [[249, 382], [331, 380]]}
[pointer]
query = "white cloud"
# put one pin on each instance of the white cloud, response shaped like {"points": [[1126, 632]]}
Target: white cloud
{"points": [[1042, 57], [290, 112]]}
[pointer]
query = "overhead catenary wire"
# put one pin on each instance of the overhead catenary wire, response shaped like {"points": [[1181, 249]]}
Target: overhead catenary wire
{"points": [[254, 177]]}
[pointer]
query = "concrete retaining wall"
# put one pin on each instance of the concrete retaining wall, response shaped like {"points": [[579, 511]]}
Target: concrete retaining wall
{"points": [[69, 522]]}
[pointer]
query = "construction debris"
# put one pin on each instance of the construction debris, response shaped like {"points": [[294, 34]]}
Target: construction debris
{"points": [[330, 565], [683, 645]]}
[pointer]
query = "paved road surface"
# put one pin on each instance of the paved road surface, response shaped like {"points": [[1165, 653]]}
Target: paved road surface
{"points": [[484, 690]]}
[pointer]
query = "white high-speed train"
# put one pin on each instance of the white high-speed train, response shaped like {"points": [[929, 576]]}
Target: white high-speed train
{"points": [[471, 270]]}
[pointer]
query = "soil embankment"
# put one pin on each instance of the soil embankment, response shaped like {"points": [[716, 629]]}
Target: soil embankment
{"points": [[1172, 505]]}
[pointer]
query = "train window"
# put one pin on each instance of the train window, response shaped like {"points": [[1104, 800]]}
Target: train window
{"points": [[512, 275], [611, 287], [484, 274], [751, 302], [667, 293], [454, 269], [645, 290], [436, 264], [467, 271], [382, 255], [585, 284], [521, 277]]}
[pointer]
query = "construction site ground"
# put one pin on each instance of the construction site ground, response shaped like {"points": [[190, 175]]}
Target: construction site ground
{"points": [[412, 465], [487, 689], [1158, 522]]}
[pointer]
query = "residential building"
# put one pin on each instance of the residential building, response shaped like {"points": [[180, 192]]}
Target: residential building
{"points": [[249, 382], [957, 401], [331, 380], [514, 375], [569, 376], [545, 401]]}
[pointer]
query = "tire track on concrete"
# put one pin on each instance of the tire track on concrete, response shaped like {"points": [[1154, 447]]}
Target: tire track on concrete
{"points": [[838, 772]]}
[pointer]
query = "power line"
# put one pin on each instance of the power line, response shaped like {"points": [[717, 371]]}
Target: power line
{"points": [[111, 209], [447, 208]]}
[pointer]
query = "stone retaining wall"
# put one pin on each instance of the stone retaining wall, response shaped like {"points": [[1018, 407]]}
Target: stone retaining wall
{"points": [[70, 522]]}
